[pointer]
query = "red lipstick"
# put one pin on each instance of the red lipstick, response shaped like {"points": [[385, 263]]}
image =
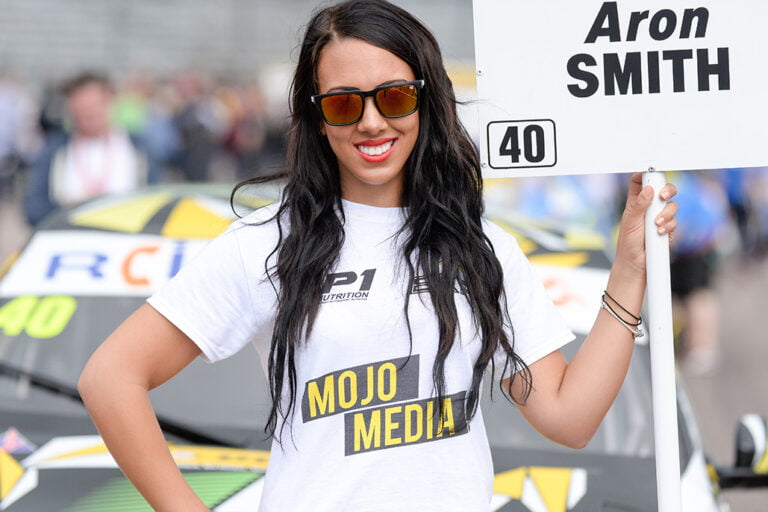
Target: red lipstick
{"points": [[375, 157]]}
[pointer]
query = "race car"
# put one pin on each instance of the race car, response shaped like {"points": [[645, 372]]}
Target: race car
{"points": [[87, 268]]}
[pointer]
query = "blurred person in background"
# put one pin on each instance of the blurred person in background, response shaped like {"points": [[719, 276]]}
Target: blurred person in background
{"points": [[93, 158], [757, 187], [747, 190], [198, 125], [248, 130], [694, 256], [53, 106], [739, 185], [19, 139], [144, 109]]}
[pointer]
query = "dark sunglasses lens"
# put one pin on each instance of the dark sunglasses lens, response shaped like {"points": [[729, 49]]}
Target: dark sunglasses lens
{"points": [[342, 108], [398, 100]]}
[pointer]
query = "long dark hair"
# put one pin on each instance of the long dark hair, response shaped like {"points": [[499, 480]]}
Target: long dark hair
{"points": [[442, 236]]}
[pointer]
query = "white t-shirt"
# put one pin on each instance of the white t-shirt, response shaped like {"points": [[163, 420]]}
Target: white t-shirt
{"points": [[364, 433]]}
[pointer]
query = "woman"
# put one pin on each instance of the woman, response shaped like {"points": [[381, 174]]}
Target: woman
{"points": [[376, 296]]}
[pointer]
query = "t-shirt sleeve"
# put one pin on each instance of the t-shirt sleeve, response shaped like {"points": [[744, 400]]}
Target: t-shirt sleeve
{"points": [[211, 298], [537, 328]]}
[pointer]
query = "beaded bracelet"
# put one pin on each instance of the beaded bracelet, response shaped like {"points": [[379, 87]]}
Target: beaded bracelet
{"points": [[634, 328]]}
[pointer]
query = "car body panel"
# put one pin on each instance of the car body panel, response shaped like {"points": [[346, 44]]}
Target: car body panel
{"points": [[89, 267]]}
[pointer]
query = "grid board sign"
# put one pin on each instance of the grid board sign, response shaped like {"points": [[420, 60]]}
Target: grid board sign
{"points": [[586, 87]]}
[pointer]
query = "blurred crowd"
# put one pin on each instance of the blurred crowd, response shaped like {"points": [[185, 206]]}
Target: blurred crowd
{"points": [[723, 214], [724, 209], [89, 134]]}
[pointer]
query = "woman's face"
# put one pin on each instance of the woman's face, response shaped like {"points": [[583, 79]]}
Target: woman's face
{"points": [[367, 177]]}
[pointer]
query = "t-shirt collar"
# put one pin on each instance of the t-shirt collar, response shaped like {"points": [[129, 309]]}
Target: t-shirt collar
{"points": [[389, 215]]}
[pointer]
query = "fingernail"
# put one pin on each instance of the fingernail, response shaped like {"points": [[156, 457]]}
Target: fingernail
{"points": [[662, 231], [660, 221], [648, 192]]}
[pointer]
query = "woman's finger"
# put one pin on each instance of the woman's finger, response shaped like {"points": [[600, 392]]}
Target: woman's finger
{"points": [[667, 192], [667, 213], [638, 203], [668, 227]]}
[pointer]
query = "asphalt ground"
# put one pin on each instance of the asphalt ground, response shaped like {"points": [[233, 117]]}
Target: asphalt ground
{"points": [[740, 385], [719, 399]]}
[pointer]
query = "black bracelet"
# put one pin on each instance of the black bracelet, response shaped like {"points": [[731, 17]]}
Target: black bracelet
{"points": [[637, 318], [635, 329], [613, 312]]}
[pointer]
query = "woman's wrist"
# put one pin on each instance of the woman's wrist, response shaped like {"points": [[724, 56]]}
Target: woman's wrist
{"points": [[626, 283]]}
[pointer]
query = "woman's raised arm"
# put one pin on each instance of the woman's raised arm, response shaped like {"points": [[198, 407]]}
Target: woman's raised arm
{"points": [[569, 400]]}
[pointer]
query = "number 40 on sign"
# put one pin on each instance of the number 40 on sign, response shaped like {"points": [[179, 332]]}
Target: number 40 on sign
{"points": [[518, 144]]}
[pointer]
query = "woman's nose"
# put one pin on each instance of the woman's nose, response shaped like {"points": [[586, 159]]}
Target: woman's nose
{"points": [[372, 120]]}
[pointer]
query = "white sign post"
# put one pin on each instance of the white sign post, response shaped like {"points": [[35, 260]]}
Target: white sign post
{"points": [[665, 427], [592, 86]]}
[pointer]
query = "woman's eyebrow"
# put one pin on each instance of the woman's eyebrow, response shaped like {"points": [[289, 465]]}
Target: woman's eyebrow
{"points": [[343, 88], [392, 82]]}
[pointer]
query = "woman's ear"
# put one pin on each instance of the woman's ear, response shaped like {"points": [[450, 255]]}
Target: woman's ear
{"points": [[322, 128]]}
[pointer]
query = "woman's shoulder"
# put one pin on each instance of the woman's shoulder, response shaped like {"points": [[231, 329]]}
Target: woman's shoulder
{"points": [[264, 215], [503, 241], [261, 223]]}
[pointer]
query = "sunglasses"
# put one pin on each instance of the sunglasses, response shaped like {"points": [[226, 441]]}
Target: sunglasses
{"points": [[346, 107]]}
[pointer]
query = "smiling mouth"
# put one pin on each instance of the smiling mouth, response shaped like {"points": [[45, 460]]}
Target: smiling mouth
{"points": [[376, 150]]}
